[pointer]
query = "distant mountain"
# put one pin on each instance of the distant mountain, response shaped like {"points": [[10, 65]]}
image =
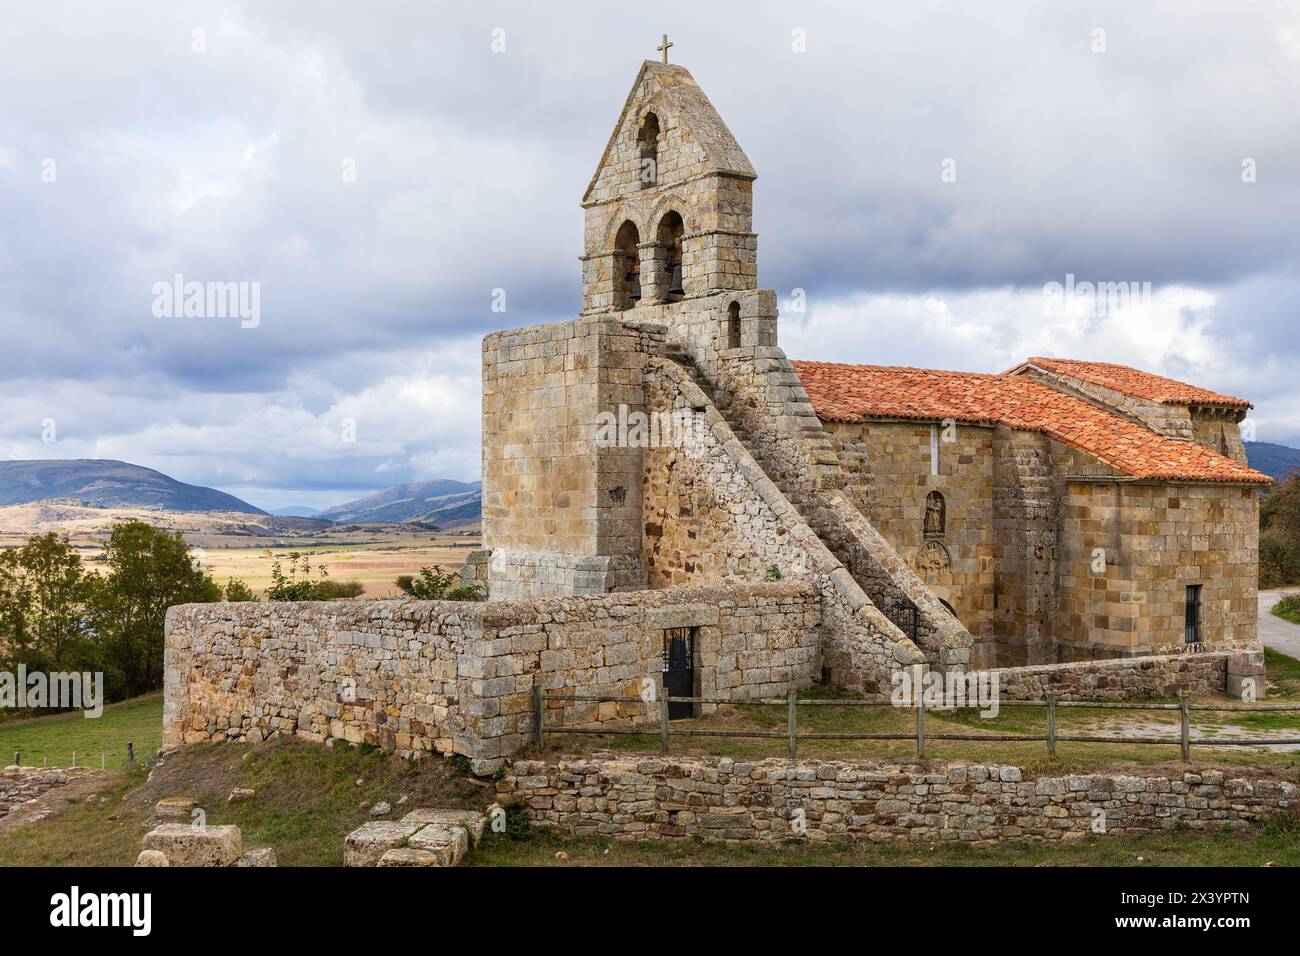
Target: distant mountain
{"points": [[1276, 461], [295, 511], [442, 502], [104, 483]]}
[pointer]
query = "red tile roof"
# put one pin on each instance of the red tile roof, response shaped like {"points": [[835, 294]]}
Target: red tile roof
{"points": [[854, 393], [1139, 384]]}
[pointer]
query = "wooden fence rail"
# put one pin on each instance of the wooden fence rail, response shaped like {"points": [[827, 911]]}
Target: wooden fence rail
{"points": [[791, 734]]}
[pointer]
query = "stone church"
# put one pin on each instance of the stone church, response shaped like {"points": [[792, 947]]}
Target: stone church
{"points": [[1060, 511], [670, 502]]}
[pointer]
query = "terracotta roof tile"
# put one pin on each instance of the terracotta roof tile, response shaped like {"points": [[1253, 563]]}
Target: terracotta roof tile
{"points": [[854, 393], [1139, 384]]}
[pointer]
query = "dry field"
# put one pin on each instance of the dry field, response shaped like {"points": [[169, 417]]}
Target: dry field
{"points": [[376, 564], [236, 545]]}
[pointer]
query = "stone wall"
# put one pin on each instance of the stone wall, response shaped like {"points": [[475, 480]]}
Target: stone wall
{"points": [[713, 513], [457, 677], [1121, 679], [779, 801], [1155, 540], [24, 786], [895, 475], [1026, 519], [561, 512]]}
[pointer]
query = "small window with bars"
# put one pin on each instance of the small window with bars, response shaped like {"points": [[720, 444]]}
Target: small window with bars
{"points": [[1192, 630]]}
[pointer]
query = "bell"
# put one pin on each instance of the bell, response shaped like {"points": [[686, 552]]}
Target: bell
{"points": [[675, 281]]}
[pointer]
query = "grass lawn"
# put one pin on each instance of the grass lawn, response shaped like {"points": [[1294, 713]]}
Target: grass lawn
{"points": [[1267, 846], [54, 738]]}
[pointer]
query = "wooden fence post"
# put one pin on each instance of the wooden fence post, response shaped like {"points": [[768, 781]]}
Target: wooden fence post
{"points": [[920, 727], [791, 724], [663, 722], [1184, 728], [1051, 722], [537, 716]]}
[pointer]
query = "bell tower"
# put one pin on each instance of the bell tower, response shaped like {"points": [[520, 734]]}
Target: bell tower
{"points": [[669, 210]]}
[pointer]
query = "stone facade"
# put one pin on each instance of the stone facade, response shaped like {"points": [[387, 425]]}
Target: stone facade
{"points": [[1023, 517], [1156, 540], [782, 801]]}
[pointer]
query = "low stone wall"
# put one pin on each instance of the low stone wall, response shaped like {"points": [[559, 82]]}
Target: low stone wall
{"points": [[773, 801], [24, 785], [458, 677], [1130, 678]]}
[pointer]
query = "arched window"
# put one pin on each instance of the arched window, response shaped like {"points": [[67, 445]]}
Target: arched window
{"points": [[936, 515], [669, 237], [627, 266], [648, 139], [733, 325]]}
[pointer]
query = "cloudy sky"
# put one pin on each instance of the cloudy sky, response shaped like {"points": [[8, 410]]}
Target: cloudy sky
{"points": [[378, 169]]}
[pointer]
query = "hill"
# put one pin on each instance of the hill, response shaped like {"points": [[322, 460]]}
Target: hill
{"points": [[103, 483], [442, 502], [1276, 461], [295, 511]]}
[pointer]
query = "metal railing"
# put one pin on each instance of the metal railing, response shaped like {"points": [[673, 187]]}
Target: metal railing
{"points": [[791, 734]]}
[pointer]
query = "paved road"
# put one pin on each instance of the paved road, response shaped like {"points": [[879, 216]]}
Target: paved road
{"points": [[1274, 632]]}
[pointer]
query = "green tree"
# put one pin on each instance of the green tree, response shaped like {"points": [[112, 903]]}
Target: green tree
{"points": [[1279, 534], [435, 584], [149, 570], [43, 596]]}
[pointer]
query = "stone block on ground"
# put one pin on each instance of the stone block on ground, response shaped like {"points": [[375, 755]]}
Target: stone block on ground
{"points": [[1237, 684], [152, 858], [409, 856], [241, 793], [174, 808], [471, 820], [447, 843], [262, 856], [365, 845], [186, 845]]}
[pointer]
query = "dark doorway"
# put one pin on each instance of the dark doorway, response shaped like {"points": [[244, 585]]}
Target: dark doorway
{"points": [[679, 670]]}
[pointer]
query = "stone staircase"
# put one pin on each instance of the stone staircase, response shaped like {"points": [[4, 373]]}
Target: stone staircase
{"points": [[765, 405]]}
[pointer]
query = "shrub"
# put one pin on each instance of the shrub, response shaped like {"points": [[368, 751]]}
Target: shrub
{"points": [[435, 584]]}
